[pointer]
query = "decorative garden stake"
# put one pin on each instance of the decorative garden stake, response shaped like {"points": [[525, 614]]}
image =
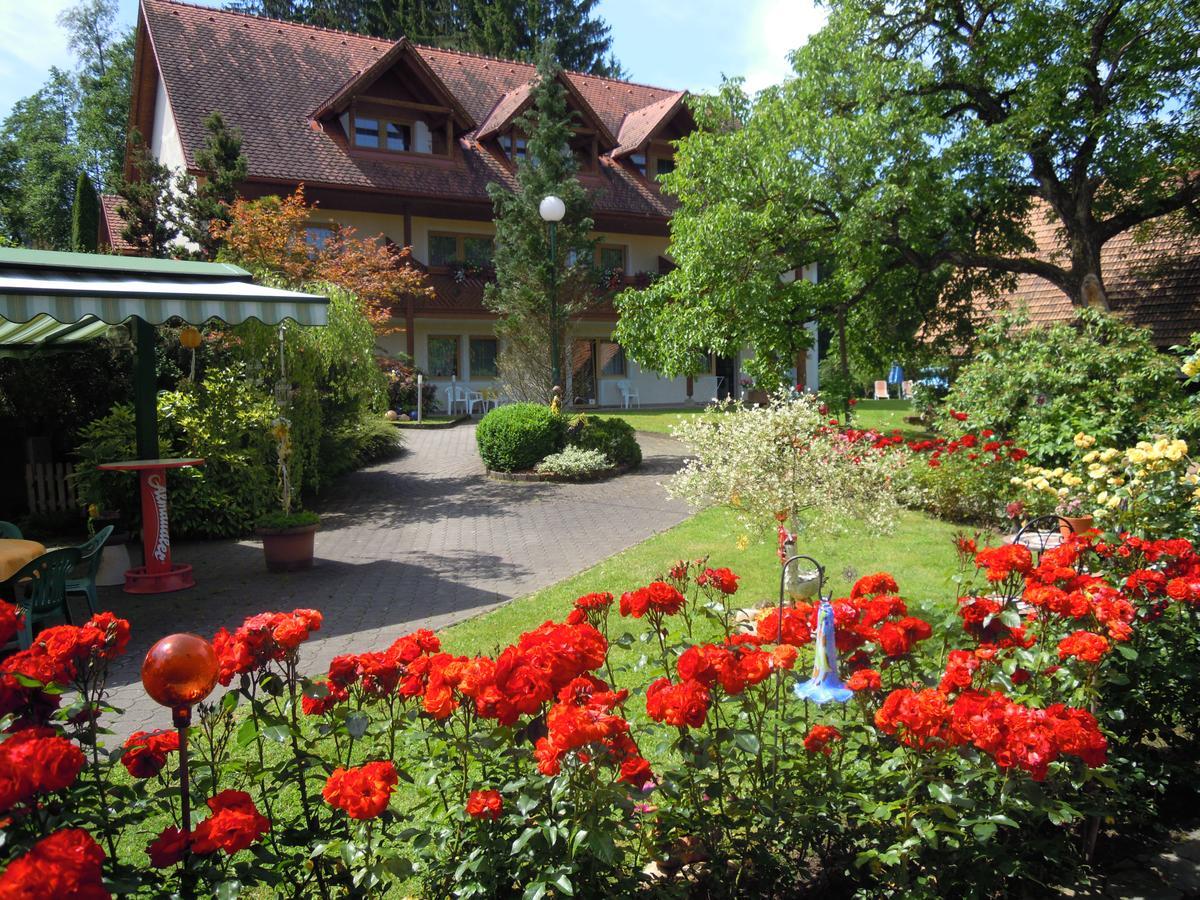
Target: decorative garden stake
{"points": [[179, 672], [825, 686]]}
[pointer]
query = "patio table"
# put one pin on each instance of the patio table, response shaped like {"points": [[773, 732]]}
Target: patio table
{"points": [[159, 575], [15, 553]]}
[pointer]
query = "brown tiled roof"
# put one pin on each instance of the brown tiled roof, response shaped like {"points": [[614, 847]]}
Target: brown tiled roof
{"points": [[267, 78], [640, 124], [510, 105], [112, 225], [1152, 276]]}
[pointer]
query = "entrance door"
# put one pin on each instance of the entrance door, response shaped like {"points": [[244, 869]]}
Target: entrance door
{"points": [[583, 373], [726, 372]]}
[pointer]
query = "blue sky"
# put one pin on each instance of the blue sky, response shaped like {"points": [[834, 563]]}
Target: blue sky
{"points": [[671, 43]]}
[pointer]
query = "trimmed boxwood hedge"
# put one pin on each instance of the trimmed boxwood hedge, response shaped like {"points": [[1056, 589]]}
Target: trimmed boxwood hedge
{"points": [[612, 437], [519, 436]]}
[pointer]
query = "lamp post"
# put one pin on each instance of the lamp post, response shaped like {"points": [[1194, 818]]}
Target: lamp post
{"points": [[552, 210]]}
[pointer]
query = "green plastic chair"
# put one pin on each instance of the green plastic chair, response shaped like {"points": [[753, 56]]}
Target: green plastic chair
{"points": [[40, 589], [9, 530], [89, 558]]}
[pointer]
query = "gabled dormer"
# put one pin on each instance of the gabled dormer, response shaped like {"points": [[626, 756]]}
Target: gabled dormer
{"points": [[645, 140], [396, 108], [589, 141]]}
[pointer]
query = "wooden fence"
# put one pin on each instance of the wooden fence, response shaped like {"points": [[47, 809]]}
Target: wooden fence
{"points": [[49, 487]]}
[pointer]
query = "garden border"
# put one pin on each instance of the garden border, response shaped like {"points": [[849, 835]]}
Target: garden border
{"points": [[451, 424], [612, 472]]}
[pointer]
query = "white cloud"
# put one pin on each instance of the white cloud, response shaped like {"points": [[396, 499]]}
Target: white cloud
{"points": [[774, 28]]}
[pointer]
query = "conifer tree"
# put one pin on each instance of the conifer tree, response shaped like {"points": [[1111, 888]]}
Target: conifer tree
{"points": [[525, 275], [85, 216], [207, 199], [147, 205]]}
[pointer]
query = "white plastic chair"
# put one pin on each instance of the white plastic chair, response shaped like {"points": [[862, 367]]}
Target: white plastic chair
{"points": [[480, 399], [881, 391], [456, 394], [628, 392]]}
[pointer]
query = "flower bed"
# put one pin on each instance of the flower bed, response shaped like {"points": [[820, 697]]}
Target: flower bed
{"points": [[976, 755]]}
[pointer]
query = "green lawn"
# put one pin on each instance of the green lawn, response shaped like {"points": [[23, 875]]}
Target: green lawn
{"points": [[882, 415], [919, 553]]}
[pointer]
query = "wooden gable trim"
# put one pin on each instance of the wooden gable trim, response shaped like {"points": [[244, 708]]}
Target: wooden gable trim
{"points": [[403, 48]]}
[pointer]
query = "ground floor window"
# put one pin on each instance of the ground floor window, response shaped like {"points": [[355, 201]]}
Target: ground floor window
{"points": [[482, 352], [443, 357], [610, 357]]}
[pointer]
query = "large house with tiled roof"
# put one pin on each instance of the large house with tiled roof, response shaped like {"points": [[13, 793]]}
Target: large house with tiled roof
{"points": [[1151, 277], [402, 140]]}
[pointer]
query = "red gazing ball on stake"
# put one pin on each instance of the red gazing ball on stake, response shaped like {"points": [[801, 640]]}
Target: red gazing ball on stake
{"points": [[180, 670]]}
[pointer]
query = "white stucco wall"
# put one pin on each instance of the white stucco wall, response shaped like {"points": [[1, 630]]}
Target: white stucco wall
{"points": [[165, 145]]}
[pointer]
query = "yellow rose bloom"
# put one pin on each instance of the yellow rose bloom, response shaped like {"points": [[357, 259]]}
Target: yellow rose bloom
{"points": [[1136, 455], [1191, 368], [1113, 502], [1083, 440], [1109, 455]]}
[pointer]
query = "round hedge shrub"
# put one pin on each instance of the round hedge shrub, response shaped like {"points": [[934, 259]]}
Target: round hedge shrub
{"points": [[612, 437], [519, 436]]}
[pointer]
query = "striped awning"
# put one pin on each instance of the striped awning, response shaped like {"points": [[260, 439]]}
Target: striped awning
{"points": [[45, 333], [85, 293]]}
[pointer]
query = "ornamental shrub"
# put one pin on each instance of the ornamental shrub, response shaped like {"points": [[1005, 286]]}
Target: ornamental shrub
{"points": [[575, 462], [518, 436], [614, 438], [1042, 386]]}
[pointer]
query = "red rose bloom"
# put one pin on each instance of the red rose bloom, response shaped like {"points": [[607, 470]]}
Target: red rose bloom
{"points": [[594, 601], [1085, 646], [36, 761], [820, 737], [146, 752], [681, 705], [864, 680], [722, 580], [168, 848], [67, 864], [234, 825], [362, 792], [1002, 562], [485, 805], [870, 585]]}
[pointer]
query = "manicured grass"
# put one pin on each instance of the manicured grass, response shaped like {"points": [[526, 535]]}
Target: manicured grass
{"points": [[657, 420], [886, 415], [920, 554]]}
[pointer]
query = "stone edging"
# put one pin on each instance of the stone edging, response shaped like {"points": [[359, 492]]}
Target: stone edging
{"points": [[414, 424], [534, 476]]}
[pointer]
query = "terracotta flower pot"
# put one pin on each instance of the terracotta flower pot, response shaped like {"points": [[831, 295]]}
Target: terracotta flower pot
{"points": [[1068, 525], [288, 549]]}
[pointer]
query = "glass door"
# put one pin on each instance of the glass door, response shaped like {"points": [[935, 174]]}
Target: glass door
{"points": [[583, 373]]}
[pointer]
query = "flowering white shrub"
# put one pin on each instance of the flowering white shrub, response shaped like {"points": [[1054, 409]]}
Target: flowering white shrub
{"points": [[784, 461], [574, 462]]}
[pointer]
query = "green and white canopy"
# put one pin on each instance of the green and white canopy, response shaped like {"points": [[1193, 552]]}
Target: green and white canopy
{"points": [[50, 299]]}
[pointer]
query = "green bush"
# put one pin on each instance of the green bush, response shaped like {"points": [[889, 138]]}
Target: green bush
{"points": [[519, 436], [226, 420], [359, 443], [278, 520], [575, 462], [614, 438], [1042, 386]]}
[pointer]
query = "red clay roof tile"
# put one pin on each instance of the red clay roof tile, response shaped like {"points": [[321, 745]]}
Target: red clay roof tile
{"points": [[267, 77]]}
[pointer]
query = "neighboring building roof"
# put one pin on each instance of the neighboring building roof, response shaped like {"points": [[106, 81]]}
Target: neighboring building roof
{"points": [[1151, 275], [268, 78], [111, 226]]}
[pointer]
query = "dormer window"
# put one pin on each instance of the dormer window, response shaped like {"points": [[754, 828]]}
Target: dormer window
{"points": [[664, 165], [399, 136], [513, 145], [638, 161], [366, 132]]}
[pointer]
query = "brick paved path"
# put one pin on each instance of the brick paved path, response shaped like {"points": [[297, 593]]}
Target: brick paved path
{"points": [[421, 541]]}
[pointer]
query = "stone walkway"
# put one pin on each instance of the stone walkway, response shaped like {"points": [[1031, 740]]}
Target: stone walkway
{"points": [[421, 541]]}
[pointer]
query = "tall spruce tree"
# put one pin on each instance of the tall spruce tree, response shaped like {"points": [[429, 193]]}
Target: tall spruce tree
{"points": [[207, 199], [85, 216], [525, 274], [147, 205]]}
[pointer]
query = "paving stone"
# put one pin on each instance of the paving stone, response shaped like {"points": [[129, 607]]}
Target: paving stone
{"points": [[421, 541]]}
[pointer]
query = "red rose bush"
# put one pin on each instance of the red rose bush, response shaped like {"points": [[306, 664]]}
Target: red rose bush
{"points": [[648, 732]]}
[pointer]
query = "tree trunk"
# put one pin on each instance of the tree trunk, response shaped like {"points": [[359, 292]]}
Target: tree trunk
{"points": [[1086, 272], [843, 351]]}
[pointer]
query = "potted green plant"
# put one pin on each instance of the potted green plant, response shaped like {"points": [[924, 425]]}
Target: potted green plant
{"points": [[288, 535]]}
